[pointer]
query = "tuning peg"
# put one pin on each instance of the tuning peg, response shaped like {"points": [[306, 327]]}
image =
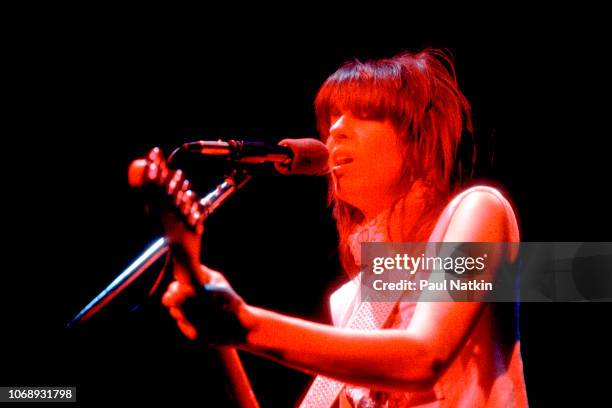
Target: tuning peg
{"points": [[177, 178], [186, 202], [180, 193], [195, 214]]}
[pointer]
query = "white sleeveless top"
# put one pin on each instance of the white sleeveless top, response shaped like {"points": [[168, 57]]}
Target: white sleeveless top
{"points": [[485, 373]]}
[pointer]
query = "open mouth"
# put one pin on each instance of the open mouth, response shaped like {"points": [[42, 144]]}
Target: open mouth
{"points": [[340, 162]]}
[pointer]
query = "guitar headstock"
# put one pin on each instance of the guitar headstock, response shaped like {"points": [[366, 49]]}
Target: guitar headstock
{"points": [[171, 186], [180, 210]]}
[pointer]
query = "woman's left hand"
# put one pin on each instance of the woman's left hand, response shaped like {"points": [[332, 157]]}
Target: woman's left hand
{"points": [[180, 292], [175, 204]]}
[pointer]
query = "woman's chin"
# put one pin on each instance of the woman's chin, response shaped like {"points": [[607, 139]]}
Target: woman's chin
{"points": [[354, 195]]}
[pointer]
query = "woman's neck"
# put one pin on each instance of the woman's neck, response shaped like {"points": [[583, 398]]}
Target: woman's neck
{"points": [[372, 211], [382, 203]]}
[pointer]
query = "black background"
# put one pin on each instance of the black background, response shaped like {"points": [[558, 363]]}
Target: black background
{"points": [[88, 96]]}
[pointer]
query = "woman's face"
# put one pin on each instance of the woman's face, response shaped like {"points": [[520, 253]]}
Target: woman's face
{"points": [[366, 161]]}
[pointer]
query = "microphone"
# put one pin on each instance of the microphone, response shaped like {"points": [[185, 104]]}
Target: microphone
{"points": [[291, 156]]}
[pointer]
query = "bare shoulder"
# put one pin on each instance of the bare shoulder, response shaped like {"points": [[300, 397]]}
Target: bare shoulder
{"points": [[480, 214], [482, 200]]}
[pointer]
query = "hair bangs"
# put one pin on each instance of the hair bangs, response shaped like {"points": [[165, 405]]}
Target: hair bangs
{"points": [[366, 91]]}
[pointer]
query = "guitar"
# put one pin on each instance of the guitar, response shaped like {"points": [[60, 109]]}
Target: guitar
{"points": [[182, 215]]}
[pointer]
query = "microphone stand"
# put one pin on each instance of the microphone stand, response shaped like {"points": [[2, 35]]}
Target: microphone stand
{"points": [[242, 391], [315, 156], [232, 183]]}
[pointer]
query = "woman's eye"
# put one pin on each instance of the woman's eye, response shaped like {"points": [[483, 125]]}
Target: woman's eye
{"points": [[365, 116], [334, 115]]}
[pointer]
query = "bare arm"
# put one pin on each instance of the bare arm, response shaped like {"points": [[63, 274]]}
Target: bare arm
{"points": [[383, 359], [367, 358], [386, 359]]}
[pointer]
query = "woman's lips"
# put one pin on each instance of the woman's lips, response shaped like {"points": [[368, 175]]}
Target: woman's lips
{"points": [[340, 163]]}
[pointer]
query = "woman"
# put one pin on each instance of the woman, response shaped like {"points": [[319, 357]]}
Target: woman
{"points": [[393, 128]]}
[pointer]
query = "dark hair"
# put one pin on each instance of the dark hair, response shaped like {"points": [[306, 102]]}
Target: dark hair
{"points": [[419, 95]]}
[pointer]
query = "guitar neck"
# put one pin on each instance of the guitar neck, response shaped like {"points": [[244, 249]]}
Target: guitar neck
{"points": [[241, 386], [193, 211]]}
